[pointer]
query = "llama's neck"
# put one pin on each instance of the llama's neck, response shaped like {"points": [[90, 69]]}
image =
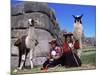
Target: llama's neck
{"points": [[31, 32], [77, 25], [78, 30]]}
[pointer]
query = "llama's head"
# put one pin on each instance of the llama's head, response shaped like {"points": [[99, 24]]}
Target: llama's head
{"points": [[31, 22], [78, 18]]}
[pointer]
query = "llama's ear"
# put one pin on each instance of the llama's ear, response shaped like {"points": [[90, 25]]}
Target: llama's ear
{"points": [[73, 16], [81, 16], [17, 43]]}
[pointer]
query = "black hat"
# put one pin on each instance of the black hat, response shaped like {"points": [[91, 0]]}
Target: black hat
{"points": [[68, 34]]}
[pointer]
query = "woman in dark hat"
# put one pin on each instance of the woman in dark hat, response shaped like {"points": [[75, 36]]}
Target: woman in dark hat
{"points": [[70, 58], [54, 56]]}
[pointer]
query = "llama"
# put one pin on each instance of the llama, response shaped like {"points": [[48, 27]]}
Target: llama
{"points": [[31, 39], [77, 33], [26, 44]]}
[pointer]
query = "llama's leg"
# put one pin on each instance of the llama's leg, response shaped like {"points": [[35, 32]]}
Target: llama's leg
{"points": [[27, 51], [79, 53], [20, 55], [75, 51], [31, 58], [22, 61], [80, 50]]}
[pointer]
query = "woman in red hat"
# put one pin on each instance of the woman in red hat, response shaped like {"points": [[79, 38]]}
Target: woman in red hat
{"points": [[54, 57], [70, 58]]}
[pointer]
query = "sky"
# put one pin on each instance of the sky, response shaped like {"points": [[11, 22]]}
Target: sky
{"points": [[64, 12]]}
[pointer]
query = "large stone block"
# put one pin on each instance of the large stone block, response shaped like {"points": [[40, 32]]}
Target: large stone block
{"points": [[19, 21], [17, 33], [36, 61]]}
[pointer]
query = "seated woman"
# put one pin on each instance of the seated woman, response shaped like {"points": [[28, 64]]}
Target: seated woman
{"points": [[54, 57], [70, 57]]}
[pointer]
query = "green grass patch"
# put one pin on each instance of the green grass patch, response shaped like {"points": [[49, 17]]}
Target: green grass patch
{"points": [[89, 59]]}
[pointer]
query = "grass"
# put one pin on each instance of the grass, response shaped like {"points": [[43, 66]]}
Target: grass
{"points": [[88, 59]]}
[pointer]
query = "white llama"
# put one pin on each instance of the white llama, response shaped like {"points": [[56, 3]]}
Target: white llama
{"points": [[77, 33], [30, 43]]}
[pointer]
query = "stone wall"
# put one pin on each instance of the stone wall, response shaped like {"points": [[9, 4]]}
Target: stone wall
{"points": [[46, 28]]}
